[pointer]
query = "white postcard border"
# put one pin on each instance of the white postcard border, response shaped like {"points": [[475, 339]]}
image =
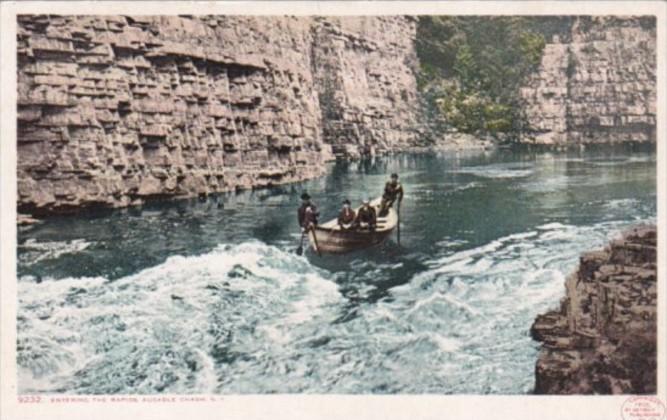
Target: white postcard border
{"points": [[249, 407]]}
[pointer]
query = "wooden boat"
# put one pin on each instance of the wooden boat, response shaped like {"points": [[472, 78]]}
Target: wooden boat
{"points": [[330, 238]]}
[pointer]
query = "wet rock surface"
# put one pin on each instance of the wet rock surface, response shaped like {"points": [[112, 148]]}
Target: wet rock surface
{"points": [[114, 110], [597, 86], [602, 339]]}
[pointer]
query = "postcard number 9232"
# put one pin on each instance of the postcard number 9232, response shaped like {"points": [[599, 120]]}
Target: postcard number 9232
{"points": [[28, 399]]}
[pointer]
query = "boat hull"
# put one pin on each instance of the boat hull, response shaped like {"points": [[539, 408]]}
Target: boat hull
{"points": [[330, 238], [339, 242]]}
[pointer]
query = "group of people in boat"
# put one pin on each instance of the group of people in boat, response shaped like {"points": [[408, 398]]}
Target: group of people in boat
{"points": [[365, 218]]}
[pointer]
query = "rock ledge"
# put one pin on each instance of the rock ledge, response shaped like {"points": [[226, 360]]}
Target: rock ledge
{"points": [[602, 339]]}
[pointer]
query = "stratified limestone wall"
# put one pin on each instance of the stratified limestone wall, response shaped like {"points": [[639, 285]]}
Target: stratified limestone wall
{"points": [[599, 86], [367, 85], [113, 110], [603, 338]]}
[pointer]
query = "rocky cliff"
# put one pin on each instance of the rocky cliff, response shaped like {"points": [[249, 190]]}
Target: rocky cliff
{"points": [[365, 76], [602, 340], [113, 110], [596, 84]]}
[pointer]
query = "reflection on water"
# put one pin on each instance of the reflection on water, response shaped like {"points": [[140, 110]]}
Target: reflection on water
{"points": [[196, 297]]}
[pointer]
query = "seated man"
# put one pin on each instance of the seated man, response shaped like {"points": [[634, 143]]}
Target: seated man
{"points": [[366, 216], [346, 216], [392, 191]]}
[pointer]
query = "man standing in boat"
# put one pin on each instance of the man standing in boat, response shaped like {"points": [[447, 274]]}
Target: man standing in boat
{"points": [[366, 216], [392, 190], [346, 216], [307, 213]]}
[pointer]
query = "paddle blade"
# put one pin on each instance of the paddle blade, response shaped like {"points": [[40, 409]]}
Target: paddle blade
{"points": [[299, 250]]}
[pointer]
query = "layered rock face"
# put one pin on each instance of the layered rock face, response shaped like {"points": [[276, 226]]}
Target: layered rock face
{"points": [[113, 110], [366, 83], [596, 85], [602, 340]]}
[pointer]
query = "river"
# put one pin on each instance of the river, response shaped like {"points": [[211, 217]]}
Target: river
{"points": [[210, 297]]}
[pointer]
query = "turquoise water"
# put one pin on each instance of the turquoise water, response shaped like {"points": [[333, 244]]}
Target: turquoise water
{"points": [[201, 297]]}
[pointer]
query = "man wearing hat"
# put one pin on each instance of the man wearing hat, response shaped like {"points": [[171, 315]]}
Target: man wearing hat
{"points": [[366, 216], [392, 191], [307, 213], [346, 216]]}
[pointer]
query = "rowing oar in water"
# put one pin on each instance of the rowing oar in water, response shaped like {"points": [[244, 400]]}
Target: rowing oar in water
{"points": [[398, 224], [299, 250], [317, 247]]}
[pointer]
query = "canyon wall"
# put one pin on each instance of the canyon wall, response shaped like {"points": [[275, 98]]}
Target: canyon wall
{"points": [[595, 84], [113, 110], [603, 338], [366, 83]]}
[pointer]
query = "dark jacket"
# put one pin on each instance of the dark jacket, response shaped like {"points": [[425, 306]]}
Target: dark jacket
{"points": [[346, 217], [367, 215], [393, 191], [307, 218]]}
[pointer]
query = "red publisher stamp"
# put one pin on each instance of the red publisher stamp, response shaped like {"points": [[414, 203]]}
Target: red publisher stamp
{"points": [[643, 408]]}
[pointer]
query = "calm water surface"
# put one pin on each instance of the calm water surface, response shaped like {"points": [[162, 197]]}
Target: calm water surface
{"points": [[196, 297]]}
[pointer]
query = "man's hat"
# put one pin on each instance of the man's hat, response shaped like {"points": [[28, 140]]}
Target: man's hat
{"points": [[305, 196], [366, 200], [346, 201], [394, 175]]}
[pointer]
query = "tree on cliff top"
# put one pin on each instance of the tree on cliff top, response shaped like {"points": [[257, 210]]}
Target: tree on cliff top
{"points": [[472, 67]]}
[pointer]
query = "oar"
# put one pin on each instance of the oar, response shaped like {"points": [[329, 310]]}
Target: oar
{"points": [[317, 247], [299, 250], [398, 225]]}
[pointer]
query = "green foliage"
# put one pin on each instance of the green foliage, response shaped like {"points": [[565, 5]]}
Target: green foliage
{"points": [[472, 67], [531, 46], [471, 111], [465, 68]]}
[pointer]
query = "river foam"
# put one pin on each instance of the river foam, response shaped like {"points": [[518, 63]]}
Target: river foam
{"points": [[156, 330]]}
